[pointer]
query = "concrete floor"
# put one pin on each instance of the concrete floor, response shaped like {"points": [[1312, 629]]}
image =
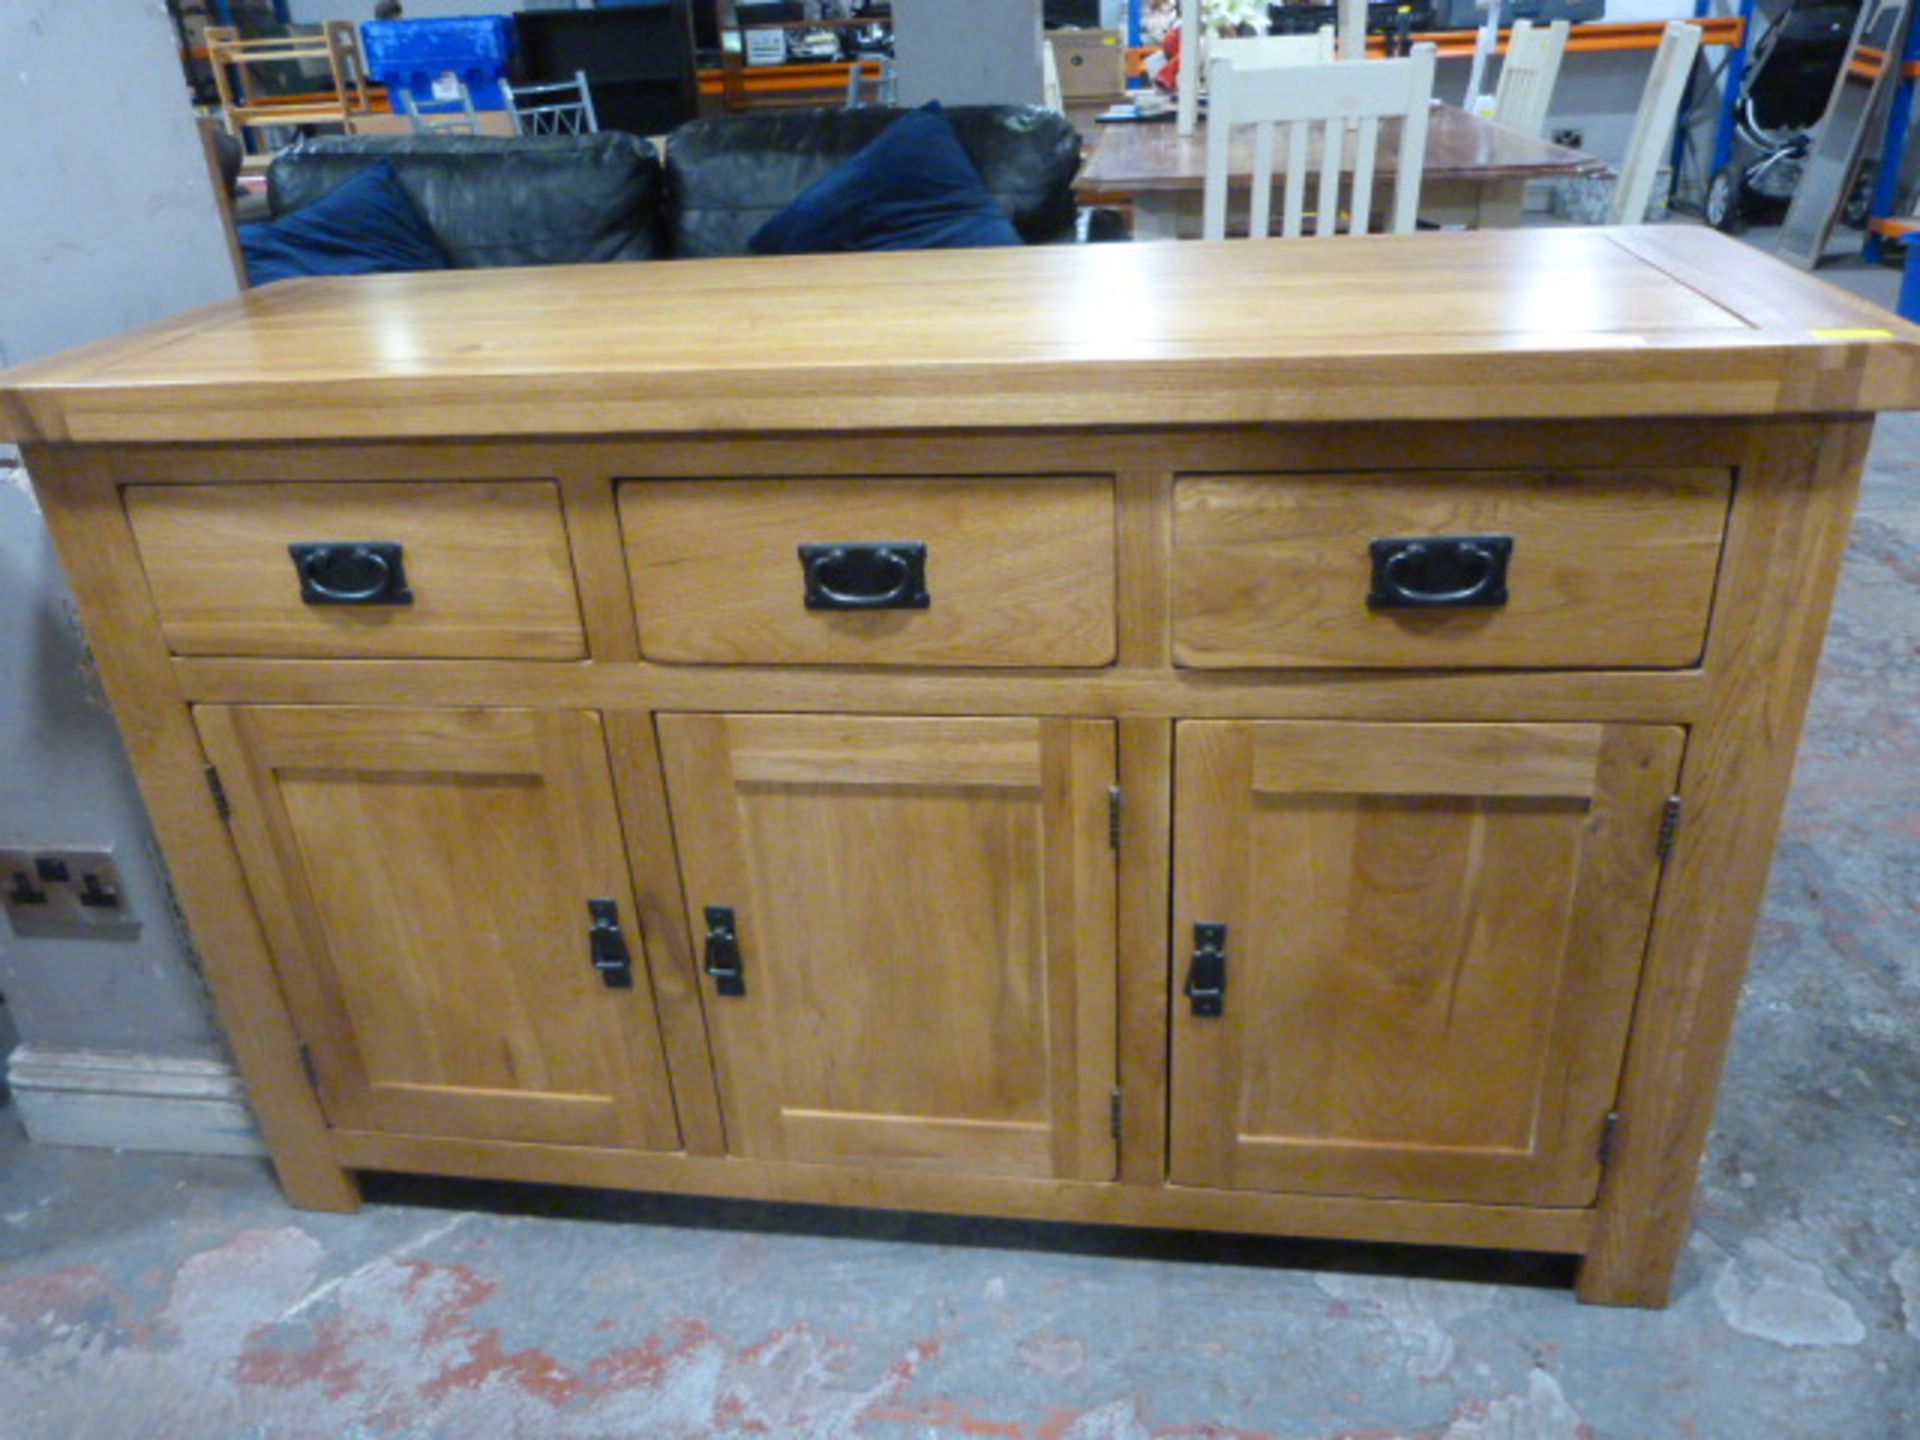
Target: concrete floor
{"points": [[151, 1297]]}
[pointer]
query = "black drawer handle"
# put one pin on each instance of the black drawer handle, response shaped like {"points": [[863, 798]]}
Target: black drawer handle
{"points": [[890, 576], [351, 572], [1440, 572]]}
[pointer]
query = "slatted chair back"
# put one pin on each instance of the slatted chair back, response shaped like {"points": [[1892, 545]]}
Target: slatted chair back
{"points": [[1343, 101], [1250, 52], [1528, 75]]}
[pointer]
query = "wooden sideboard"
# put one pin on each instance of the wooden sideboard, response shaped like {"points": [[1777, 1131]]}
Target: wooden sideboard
{"points": [[1273, 737]]}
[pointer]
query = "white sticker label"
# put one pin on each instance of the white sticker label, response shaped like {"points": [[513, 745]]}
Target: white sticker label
{"points": [[766, 47]]}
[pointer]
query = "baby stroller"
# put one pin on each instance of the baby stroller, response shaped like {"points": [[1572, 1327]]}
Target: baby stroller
{"points": [[1781, 100]]}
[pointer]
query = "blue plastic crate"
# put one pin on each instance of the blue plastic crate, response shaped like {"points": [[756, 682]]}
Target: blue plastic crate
{"points": [[417, 55]]}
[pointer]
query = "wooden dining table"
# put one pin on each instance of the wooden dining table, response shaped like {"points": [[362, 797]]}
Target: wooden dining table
{"points": [[1476, 171]]}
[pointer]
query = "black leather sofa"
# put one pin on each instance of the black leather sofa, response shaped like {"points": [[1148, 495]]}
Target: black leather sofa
{"points": [[499, 200], [572, 199], [728, 175]]}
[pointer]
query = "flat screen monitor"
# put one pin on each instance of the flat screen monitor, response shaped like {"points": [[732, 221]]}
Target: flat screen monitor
{"points": [[1079, 14], [637, 58]]}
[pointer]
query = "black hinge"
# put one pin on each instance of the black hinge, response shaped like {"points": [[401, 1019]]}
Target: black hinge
{"points": [[306, 1064], [1113, 817], [1609, 1133], [1113, 1112], [219, 792], [1669, 827]]}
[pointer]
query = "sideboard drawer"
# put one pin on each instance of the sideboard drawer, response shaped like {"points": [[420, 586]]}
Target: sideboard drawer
{"points": [[873, 572], [360, 570], [1447, 569]]}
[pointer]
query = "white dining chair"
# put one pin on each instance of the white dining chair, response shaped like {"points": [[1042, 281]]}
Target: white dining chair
{"points": [[1251, 52], [1528, 75], [1653, 126], [1339, 98]]}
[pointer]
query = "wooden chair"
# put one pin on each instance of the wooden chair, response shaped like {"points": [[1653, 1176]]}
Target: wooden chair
{"points": [[1254, 52], [1652, 135], [1050, 93], [221, 174], [1337, 98], [1528, 75], [244, 104]]}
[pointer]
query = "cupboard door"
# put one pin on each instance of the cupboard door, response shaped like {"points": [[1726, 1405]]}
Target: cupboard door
{"points": [[1433, 938], [423, 877], [923, 916]]}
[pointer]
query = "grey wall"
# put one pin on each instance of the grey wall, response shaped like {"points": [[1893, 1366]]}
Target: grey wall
{"points": [[64, 782], [976, 52], [107, 220]]}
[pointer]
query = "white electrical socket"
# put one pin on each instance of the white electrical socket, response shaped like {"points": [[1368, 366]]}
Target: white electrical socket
{"points": [[58, 893]]}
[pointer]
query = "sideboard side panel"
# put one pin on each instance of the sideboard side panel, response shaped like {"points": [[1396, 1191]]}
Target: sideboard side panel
{"points": [[1794, 499], [89, 525]]}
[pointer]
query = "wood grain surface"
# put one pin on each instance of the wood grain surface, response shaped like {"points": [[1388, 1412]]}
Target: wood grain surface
{"points": [[1505, 324], [1188, 1207], [1785, 546], [925, 911], [423, 876], [1019, 572], [1151, 473], [1609, 568], [1431, 956], [1133, 158], [488, 565]]}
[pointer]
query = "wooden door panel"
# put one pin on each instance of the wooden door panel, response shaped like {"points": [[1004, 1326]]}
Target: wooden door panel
{"points": [[1433, 938], [423, 878], [925, 913]]}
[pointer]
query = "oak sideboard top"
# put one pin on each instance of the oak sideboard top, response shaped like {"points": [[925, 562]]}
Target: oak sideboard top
{"points": [[1506, 324]]}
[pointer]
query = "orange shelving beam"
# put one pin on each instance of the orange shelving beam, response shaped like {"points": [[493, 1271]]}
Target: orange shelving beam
{"points": [[1594, 39], [1588, 39], [781, 79]]}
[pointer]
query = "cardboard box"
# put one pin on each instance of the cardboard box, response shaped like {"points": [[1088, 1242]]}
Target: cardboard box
{"points": [[1092, 63]]}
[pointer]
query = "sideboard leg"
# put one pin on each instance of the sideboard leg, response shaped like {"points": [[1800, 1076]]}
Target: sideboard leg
{"points": [[1788, 535], [81, 501], [313, 1184]]}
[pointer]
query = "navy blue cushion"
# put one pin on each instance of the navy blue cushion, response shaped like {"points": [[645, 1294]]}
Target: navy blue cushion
{"points": [[363, 226], [912, 189]]}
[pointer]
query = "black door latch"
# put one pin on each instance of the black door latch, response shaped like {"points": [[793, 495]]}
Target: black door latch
{"points": [[609, 946], [723, 952], [1207, 976]]}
